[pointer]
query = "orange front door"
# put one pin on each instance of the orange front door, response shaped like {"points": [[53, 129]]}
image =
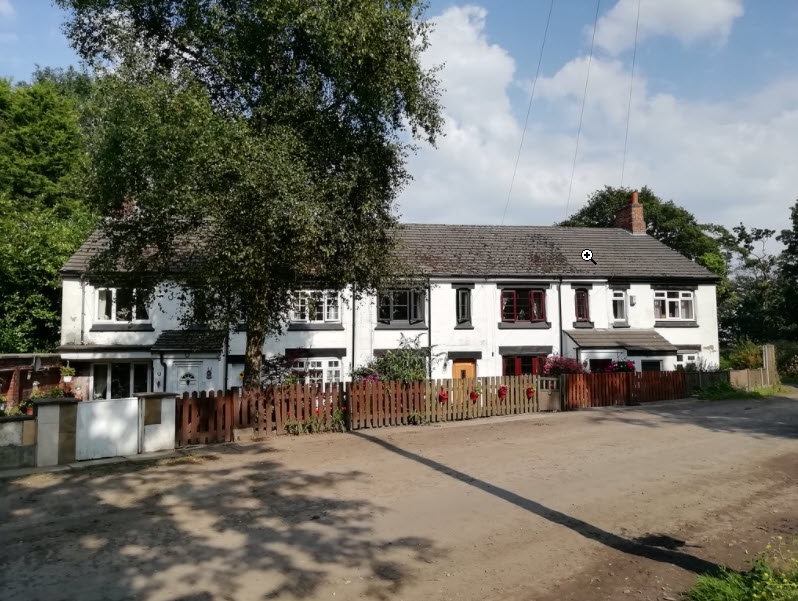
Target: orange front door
{"points": [[464, 368]]}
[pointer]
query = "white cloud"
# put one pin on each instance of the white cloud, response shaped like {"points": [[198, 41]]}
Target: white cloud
{"points": [[724, 161], [6, 9], [687, 20]]}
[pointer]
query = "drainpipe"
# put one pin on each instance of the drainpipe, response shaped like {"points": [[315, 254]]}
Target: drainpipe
{"points": [[429, 329], [163, 366], [226, 363], [354, 310], [82, 306], [559, 306]]}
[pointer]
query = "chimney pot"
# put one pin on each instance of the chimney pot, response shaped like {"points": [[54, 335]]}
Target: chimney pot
{"points": [[634, 200]]}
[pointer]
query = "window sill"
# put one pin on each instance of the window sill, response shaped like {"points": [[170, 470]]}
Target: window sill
{"points": [[583, 325], [464, 326], [621, 324], [122, 327], [401, 326], [524, 325], [304, 327], [675, 324]]}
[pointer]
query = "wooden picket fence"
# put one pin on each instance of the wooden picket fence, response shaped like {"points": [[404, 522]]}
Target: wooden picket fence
{"points": [[603, 390], [218, 417]]}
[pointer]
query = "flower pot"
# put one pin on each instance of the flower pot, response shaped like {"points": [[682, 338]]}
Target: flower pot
{"points": [[503, 392], [29, 410], [67, 379], [474, 396], [443, 396], [530, 392]]}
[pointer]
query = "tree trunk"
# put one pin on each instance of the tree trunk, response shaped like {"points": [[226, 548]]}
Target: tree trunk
{"points": [[253, 361]]}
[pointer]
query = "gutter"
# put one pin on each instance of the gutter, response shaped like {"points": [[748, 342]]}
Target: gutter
{"points": [[163, 366], [82, 306], [429, 329], [559, 306], [226, 364], [354, 310]]}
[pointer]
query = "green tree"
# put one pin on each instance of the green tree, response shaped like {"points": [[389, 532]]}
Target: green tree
{"points": [[710, 245], [788, 275], [42, 220], [256, 145]]}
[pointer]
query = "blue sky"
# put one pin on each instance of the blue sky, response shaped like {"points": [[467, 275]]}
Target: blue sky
{"points": [[713, 125]]}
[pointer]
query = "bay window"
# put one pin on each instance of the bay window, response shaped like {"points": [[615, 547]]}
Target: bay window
{"points": [[119, 380], [520, 305], [677, 305], [317, 371]]}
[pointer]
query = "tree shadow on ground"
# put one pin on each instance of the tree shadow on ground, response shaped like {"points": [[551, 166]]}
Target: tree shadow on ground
{"points": [[224, 530], [762, 418], [641, 547]]}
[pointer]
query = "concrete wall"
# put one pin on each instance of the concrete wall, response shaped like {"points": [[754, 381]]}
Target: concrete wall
{"points": [[17, 442], [158, 420], [107, 428]]}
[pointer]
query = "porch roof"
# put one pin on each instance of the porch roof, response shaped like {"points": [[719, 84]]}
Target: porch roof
{"points": [[193, 340], [631, 340]]}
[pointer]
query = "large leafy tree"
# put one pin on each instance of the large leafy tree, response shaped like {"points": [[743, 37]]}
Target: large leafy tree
{"points": [[42, 219], [242, 148], [710, 245]]}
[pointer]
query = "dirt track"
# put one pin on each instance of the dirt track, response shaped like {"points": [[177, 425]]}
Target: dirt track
{"points": [[599, 504]]}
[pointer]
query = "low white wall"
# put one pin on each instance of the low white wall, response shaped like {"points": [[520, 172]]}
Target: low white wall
{"points": [[161, 437], [107, 428]]}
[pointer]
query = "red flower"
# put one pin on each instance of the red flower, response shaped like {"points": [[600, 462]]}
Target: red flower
{"points": [[318, 411]]}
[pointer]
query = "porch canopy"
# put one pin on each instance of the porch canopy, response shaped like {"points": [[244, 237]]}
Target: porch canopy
{"points": [[636, 342]]}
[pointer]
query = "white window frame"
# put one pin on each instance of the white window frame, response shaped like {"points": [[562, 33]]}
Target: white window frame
{"points": [[620, 295], [331, 309], [321, 370], [107, 365], [682, 296], [113, 319], [463, 306]]}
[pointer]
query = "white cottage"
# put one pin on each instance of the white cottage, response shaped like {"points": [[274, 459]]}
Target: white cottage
{"points": [[500, 299]]}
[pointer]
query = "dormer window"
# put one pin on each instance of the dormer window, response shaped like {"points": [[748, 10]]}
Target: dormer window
{"points": [[121, 305]]}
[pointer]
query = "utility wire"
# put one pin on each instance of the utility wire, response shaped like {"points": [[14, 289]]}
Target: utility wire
{"points": [[631, 86], [528, 111], [582, 112]]}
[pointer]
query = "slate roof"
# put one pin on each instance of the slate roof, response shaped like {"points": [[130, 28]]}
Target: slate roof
{"points": [[515, 251], [528, 251], [194, 340], [631, 340]]}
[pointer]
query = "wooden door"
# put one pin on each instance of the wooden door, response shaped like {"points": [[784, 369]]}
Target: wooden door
{"points": [[464, 368]]}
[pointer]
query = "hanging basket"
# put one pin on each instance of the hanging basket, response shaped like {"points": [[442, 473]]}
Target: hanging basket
{"points": [[443, 396], [530, 392], [474, 396], [67, 379], [502, 392]]}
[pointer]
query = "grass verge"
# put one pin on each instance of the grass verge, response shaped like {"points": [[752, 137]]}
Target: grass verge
{"points": [[773, 577], [723, 391]]}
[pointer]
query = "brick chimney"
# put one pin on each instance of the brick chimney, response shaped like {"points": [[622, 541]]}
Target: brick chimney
{"points": [[631, 217]]}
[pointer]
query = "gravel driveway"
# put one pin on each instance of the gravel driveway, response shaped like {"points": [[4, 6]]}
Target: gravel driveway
{"points": [[604, 503]]}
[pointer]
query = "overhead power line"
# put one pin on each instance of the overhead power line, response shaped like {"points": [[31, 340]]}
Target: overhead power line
{"points": [[528, 111], [582, 112], [631, 86]]}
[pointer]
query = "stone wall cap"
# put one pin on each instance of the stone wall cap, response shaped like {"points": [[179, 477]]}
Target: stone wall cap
{"points": [[16, 418], [56, 401]]}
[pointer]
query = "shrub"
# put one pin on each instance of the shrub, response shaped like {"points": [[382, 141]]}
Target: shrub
{"points": [[67, 371], [415, 418], [787, 358], [620, 366], [48, 393], [408, 363], [557, 365], [745, 355]]}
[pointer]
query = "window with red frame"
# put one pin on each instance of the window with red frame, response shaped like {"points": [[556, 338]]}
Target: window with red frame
{"points": [[582, 306], [523, 305], [522, 366]]}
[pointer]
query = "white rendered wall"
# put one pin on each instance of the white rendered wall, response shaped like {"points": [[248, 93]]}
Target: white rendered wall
{"points": [[107, 428]]}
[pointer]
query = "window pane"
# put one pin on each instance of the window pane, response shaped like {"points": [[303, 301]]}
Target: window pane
{"points": [[673, 295], [120, 380], [416, 306], [332, 307], [673, 309], [104, 304], [522, 305], [124, 304], [538, 305], [619, 306], [100, 381], [509, 366], [400, 306], [508, 305], [687, 308], [526, 365], [300, 308], [141, 307], [141, 381], [581, 305], [659, 309], [316, 306], [384, 314]]}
